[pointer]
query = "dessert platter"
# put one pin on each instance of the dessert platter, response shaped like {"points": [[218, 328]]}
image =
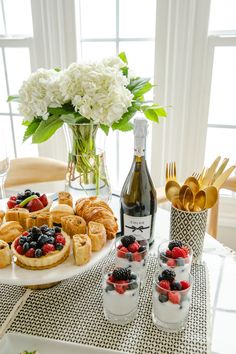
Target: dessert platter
{"points": [[42, 244]]}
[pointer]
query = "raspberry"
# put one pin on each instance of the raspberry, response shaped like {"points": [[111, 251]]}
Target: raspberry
{"points": [[133, 247], [171, 263], [127, 240], [174, 243], [25, 233], [13, 198], [164, 284], [19, 249], [121, 288], [48, 248], [184, 284], [168, 254], [16, 243], [122, 252], [174, 297], [137, 257], [178, 253], [185, 248], [30, 253], [60, 239], [11, 204]]}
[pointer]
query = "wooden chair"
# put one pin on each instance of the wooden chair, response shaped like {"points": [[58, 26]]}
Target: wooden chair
{"points": [[28, 170]]}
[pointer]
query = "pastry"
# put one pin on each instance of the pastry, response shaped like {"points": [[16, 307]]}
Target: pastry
{"points": [[60, 210], [73, 224], [97, 234], [2, 214], [34, 202], [51, 247], [82, 249], [94, 209], [18, 214], [10, 230], [43, 218], [5, 255], [65, 198]]}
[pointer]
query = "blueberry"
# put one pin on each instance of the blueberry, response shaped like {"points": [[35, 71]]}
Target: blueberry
{"points": [[26, 246], [180, 262], [42, 240], [18, 201], [176, 286], [29, 239], [27, 190], [20, 196], [27, 194], [34, 237], [160, 278], [38, 194], [57, 229], [22, 240], [50, 233], [133, 285], [59, 246], [129, 256], [33, 244], [163, 298], [35, 230], [51, 240], [141, 249], [109, 287], [38, 253], [163, 257], [44, 228], [133, 276]]}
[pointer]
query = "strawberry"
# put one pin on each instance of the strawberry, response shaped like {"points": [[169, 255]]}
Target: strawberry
{"points": [[174, 297], [48, 248], [168, 253], [11, 204], [178, 252], [171, 263], [134, 247], [43, 199], [137, 257], [13, 197], [59, 238], [30, 253], [184, 284], [164, 284], [35, 205], [19, 249]]}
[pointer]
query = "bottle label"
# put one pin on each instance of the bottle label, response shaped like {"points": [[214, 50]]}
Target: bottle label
{"points": [[138, 226]]}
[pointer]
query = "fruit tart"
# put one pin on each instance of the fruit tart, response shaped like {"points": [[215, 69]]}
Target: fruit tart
{"points": [[41, 248], [32, 201]]}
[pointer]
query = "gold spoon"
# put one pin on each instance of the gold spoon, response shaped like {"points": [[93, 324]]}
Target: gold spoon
{"points": [[200, 200], [172, 190], [193, 184], [181, 193], [188, 199], [211, 193]]}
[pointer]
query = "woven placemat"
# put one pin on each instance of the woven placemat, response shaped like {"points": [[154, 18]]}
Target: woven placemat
{"points": [[9, 296], [72, 311]]}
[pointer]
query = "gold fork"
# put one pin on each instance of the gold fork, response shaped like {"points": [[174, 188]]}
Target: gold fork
{"points": [[199, 175], [170, 171]]}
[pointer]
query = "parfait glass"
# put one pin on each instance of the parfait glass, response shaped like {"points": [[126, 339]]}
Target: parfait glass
{"points": [[4, 163]]}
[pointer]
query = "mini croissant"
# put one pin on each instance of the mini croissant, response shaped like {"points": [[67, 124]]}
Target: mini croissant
{"points": [[94, 209]]}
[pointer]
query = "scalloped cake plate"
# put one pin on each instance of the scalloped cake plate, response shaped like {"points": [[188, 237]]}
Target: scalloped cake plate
{"points": [[15, 275]]}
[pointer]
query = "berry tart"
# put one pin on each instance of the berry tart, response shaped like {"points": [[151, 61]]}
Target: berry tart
{"points": [[121, 289], [32, 201], [176, 256], [171, 298], [41, 248]]}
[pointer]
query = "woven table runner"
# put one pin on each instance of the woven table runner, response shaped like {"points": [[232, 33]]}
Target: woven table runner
{"points": [[73, 311], [9, 296]]}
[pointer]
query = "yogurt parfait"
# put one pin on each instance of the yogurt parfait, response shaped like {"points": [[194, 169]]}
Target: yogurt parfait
{"points": [[132, 253], [170, 301], [176, 256], [120, 295]]}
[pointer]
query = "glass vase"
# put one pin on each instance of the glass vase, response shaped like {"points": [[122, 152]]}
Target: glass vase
{"points": [[86, 172]]}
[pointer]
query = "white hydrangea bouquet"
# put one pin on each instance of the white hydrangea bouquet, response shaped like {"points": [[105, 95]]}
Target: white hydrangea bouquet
{"points": [[98, 95]]}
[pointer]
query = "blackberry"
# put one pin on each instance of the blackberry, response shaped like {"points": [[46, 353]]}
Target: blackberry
{"points": [[168, 274], [127, 240], [121, 274], [163, 298], [176, 286], [175, 243]]}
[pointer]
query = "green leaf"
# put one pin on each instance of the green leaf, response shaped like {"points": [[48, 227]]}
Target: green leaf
{"points": [[126, 127], [66, 109], [125, 71], [123, 57], [159, 110], [68, 118], [139, 86], [57, 69], [13, 98], [151, 115], [125, 118], [105, 128], [32, 127], [46, 129]]}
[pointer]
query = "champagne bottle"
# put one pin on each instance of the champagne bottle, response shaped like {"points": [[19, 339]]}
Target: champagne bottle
{"points": [[138, 195]]}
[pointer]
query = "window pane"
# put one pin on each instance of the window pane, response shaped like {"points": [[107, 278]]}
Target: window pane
{"points": [[137, 18], [140, 57], [220, 142], [111, 158], [126, 149], [2, 29], [222, 15], [222, 108], [18, 17], [5, 127], [17, 74], [98, 18], [4, 107], [98, 50], [23, 149]]}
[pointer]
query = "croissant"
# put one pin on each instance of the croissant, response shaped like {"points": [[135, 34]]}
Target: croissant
{"points": [[94, 209]]}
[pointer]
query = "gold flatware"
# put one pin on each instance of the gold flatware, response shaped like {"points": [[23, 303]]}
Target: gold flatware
{"points": [[220, 170], [172, 189], [199, 201], [171, 171], [200, 175], [193, 184], [210, 173], [211, 194], [181, 193], [177, 203], [223, 177], [188, 199]]}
